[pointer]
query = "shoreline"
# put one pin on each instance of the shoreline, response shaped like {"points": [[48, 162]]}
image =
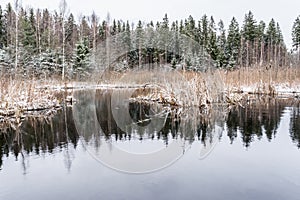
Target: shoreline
{"points": [[20, 109], [188, 89]]}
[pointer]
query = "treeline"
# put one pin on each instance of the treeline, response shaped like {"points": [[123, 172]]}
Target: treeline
{"points": [[53, 40]]}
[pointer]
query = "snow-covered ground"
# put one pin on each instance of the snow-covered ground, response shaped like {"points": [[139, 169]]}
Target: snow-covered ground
{"points": [[275, 88]]}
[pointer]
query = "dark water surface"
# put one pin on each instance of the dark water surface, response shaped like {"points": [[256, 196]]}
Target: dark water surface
{"points": [[107, 147]]}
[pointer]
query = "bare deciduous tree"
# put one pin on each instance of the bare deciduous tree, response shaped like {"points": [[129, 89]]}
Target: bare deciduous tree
{"points": [[63, 12]]}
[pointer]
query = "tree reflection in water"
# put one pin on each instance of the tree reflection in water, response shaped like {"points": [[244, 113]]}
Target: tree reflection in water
{"points": [[259, 116], [44, 134], [295, 125]]}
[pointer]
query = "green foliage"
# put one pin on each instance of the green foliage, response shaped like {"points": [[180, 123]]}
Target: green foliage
{"points": [[28, 32], [82, 55], [154, 42], [212, 47], [2, 30], [249, 30], [271, 34], [296, 33], [233, 43]]}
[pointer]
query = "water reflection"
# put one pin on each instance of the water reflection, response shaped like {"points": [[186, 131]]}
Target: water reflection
{"points": [[295, 125], [259, 118]]}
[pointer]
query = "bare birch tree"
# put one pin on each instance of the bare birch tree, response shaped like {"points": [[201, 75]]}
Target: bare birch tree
{"points": [[63, 10], [16, 32]]}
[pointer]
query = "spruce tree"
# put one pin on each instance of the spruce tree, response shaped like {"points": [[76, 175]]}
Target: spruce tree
{"points": [[249, 30], [261, 39], [2, 30], [70, 33], [139, 42], [82, 54], [204, 28], [102, 31], [46, 30], [212, 47], [249, 35], [9, 19], [27, 28], [191, 28], [296, 34], [233, 43], [114, 28], [165, 23], [271, 37]]}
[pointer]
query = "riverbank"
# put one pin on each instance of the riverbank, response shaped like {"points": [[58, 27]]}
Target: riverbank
{"points": [[185, 89]]}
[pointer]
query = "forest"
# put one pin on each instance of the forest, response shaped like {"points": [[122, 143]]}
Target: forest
{"points": [[44, 54], [35, 41]]}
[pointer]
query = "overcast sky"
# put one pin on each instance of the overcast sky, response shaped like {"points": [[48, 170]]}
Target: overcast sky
{"points": [[283, 11]]}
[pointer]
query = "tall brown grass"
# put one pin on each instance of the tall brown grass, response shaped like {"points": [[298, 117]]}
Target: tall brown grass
{"points": [[19, 95], [261, 76]]}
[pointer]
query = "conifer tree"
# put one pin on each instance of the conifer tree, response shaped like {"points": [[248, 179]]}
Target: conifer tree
{"points": [[114, 28], [261, 39], [9, 18], [204, 28], [271, 37], [70, 36], [296, 36], [82, 54], [233, 43], [212, 47], [27, 28], [102, 31], [2, 30]]}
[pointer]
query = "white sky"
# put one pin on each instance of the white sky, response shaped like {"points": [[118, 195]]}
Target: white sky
{"points": [[283, 11]]}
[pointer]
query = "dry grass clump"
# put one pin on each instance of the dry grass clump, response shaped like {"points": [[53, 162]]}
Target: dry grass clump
{"points": [[260, 80], [19, 96], [176, 88]]}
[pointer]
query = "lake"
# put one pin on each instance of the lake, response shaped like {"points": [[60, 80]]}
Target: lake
{"points": [[106, 146]]}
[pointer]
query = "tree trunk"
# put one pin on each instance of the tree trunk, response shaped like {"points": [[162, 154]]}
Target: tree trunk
{"points": [[16, 31]]}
